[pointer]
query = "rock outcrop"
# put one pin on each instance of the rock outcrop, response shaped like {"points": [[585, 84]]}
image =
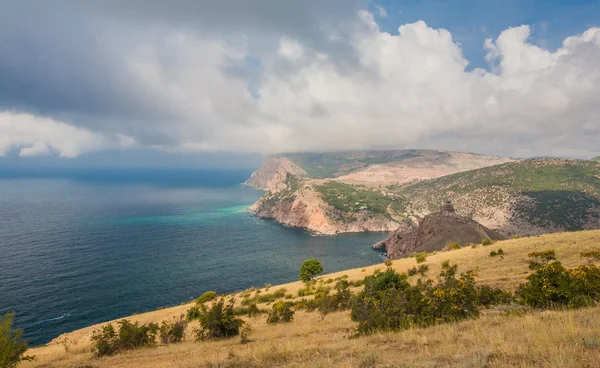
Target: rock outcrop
{"points": [[270, 173], [434, 232]]}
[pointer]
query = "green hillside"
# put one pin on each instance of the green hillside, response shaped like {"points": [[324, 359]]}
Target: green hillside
{"points": [[331, 165], [544, 192], [596, 158]]}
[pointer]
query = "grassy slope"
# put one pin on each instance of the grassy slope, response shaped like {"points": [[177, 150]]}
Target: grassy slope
{"points": [[550, 193], [596, 158], [550, 339], [330, 165], [565, 192], [349, 199]]}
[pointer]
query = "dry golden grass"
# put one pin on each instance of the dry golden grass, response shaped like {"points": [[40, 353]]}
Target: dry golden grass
{"points": [[549, 339]]}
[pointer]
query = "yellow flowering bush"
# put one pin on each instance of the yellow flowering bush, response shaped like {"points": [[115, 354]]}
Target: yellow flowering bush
{"points": [[552, 285], [390, 302]]}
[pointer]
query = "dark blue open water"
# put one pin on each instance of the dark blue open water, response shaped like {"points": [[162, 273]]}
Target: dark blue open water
{"points": [[102, 245]]}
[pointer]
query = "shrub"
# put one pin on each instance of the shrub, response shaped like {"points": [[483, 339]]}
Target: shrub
{"points": [[309, 269], [265, 298], [390, 302], [486, 241], [206, 297], [251, 310], [245, 334], [130, 336], [218, 322], [340, 300], [12, 345], [452, 246], [489, 296], [499, 252], [388, 262], [552, 285], [309, 305], [309, 289], [281, 312], [421, 270], [493, 254], [172, 332], [421, 257]]}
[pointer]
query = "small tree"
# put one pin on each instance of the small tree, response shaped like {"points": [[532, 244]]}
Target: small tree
{"points": [[12, 345], [309, 269]]}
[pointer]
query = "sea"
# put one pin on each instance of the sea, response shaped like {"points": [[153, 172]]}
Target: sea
{"points": [[82, 247]]}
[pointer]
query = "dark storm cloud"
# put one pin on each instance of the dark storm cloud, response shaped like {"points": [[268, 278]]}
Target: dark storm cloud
{"points": [[65, 58]]}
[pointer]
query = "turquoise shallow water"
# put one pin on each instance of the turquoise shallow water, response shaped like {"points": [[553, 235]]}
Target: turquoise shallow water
{"points": [[79, 251]]}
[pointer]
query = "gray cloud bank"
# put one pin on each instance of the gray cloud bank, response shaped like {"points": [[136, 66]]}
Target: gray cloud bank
{"points": [[271, 76]]}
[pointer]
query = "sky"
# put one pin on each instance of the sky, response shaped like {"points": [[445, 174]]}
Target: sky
{"points": [[222, 83]]}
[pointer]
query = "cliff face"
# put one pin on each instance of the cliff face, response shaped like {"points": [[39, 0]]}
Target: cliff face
{"points": [[434, 232], [293, 201], [269, 174]]}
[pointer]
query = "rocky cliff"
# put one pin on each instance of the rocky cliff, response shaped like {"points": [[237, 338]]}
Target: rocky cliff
{"points": [[434, 232], [270, 175], [294, 201]]}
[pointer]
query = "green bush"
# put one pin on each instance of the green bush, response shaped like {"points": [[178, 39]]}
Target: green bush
{"points": [[130, 336], [217, 322], [421, 270], [421, 257], [251, 310], [388, 263], [12, 345], [340, 300], [172, 332], [309, 269], [486, 241], [307, 290], [206, 297], [265, 298], [309, 305], [281, 312], [489, 296], [493, 253], [453, 246], [390, 302], [552, 285]]}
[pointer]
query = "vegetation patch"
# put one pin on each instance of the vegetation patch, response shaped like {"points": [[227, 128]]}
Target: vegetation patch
{"points": [[350, 199], [12, 345], [128, 336], [217, 322]]}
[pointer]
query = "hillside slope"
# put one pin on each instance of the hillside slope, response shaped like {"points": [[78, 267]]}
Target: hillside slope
{"points": [[527, 197], [549, 339]]}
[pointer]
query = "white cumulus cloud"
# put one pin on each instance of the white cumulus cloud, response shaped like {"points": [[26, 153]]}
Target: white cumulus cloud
{"points": [[32, 135], [356, 87]]}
